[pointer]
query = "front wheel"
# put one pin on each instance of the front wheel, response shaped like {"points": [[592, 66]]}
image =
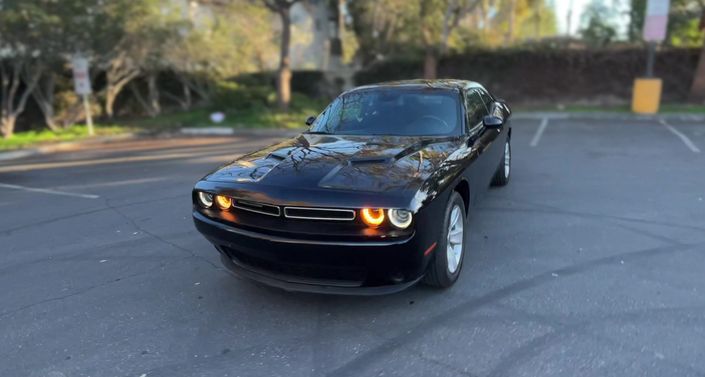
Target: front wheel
{"points": [[450, 250], [501, 176]]}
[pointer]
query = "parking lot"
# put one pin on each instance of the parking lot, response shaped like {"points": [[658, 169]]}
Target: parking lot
{"points": [[590, 263]]}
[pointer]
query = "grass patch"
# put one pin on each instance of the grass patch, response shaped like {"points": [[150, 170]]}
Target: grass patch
{"points": [[255, 117], [73, 133], [683, 108]]}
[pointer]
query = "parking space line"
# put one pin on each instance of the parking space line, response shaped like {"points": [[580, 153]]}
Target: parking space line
{"points": [[688, 143], [539, 132], [49, 191]]}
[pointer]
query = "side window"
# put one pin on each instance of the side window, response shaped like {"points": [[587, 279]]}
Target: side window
{"points": [[475, 107], [487, 99]]}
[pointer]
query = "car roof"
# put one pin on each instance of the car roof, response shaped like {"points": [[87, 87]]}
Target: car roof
{"points": [[419, 83]]}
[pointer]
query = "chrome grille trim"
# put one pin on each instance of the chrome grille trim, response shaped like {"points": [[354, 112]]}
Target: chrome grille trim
{"points": [[346, 214], [256, 204]]}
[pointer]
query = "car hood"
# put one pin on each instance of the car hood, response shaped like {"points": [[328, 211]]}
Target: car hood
{"points": [[361, 163]]}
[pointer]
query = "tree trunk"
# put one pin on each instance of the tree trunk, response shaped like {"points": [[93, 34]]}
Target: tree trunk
{"points": [[509, 37], [187, 97], [697, 89], [284, 73], [430, 67], [153, 93], [12, 100], [121, 70], [7, 125], [43, 95], [110, 95]]}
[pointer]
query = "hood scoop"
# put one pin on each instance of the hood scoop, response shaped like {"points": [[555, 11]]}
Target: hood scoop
{"points": [[278, 155], [370, 160]]}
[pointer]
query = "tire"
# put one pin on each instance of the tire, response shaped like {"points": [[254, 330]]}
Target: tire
{"points": [[504, 170], [440, 272]]}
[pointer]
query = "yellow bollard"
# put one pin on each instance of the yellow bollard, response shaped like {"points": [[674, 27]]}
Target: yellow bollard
{"points": [[647, 95]]}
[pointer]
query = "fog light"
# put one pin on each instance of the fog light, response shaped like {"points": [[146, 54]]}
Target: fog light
{"points": [[223, 201], [372, 217], [205, 199], [400, 218]]}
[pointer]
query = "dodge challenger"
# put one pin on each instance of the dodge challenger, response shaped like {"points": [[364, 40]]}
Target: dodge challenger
{"points": [[371, 199]]}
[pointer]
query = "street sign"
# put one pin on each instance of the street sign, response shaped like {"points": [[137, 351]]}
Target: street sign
{"points": [[656, 20], [82, 86], [81, 80]]}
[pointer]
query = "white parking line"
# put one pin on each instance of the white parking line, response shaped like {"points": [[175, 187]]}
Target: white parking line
{"points": [[539, 132], [688, 143], [48, 191]]}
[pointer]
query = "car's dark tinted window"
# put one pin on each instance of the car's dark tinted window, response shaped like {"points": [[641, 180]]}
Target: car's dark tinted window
{"points": [[487, 99], [392, 111], [475, 107]]}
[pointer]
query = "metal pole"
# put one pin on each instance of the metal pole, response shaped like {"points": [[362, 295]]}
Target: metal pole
{"points": [[89, 119], [650, 59]]}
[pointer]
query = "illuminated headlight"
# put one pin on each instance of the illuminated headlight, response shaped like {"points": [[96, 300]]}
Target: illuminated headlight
{"points": [[400, 218], [223, 202], [205, 199], [373, 217]]}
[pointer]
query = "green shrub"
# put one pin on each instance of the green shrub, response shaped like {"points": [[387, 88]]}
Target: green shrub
{"points": [[311, 83], [233, 96]]}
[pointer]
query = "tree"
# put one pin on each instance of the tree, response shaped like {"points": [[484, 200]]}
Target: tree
{"points": [[142, 29], [438, 19], [283, 9], [637, 13], [22, 47], [686, 25], [599, 24], [384, 27]]}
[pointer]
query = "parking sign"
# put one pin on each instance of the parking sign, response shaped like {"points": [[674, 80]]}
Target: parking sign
{"points": [[81, 80], [656, 20]]}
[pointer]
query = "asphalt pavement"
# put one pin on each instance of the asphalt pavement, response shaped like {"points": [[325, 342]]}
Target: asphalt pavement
{"points": [[590, 263]]}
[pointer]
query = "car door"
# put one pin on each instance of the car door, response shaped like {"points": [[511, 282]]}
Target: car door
{"points": [[485, 138], [496, 147], [475, 110]]}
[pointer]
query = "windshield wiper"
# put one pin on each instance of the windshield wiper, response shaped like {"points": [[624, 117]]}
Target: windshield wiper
{"points": [[317, 133]]}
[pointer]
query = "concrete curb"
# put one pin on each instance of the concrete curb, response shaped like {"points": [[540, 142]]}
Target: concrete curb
{"points": [[183, 132], [64, 146], [228, 131]]}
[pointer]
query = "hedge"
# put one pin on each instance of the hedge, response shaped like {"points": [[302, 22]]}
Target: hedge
{"points": [[568, 75]]}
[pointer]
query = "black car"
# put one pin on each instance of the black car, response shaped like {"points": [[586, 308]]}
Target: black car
{"points": [[371, 199]]}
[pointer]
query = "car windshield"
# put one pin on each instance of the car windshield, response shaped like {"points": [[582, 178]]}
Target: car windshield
{"points": [[395, 111]]}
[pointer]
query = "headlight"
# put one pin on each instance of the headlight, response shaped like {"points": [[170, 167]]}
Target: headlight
{"points": [[223, 201], [372, 216], [205, 199], [400, 218]]}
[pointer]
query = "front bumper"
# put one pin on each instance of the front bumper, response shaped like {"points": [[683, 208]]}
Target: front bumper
{"points": [[319, 266]]}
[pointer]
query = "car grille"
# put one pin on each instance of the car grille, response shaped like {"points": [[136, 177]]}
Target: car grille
{"points": [[300, 213], [262, 208], [305, 213]]}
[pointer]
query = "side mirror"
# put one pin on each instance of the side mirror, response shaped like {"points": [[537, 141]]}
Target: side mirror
{"points": [[493, 122], [310, 120]]}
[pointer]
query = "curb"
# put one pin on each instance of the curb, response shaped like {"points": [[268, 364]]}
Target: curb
{"points": [[229, 131], [183, 132], [64, 146]]}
